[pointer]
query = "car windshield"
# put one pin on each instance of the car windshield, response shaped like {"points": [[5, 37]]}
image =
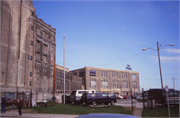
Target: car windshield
{"points": [[170, 93]]}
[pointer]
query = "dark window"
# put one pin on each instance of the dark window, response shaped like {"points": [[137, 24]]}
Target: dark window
{"points": [[31, 42], [31, 57], [92, 72], [29, 83], [81, 73], [28, 56], [57, 74], [31, 27], [30, 73], [32, 13]]}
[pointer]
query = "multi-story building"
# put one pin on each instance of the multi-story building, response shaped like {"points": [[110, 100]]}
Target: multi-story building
{"points": [[27, 51], [109, 80], [72, 82]]}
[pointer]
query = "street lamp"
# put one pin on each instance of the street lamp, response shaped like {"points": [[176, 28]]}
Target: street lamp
{"points": [[159, 58]]}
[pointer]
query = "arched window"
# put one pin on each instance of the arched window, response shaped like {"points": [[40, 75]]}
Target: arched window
{"points": [[134, 84], [125, 84], [115, 84]]}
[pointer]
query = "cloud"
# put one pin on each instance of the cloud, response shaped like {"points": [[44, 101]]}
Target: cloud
{"points": [[167, 59], [169, 50], [135, 42]]}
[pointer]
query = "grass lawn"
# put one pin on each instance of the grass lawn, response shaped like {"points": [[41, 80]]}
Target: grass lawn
{"points": [[79, 110], [161, 112]]}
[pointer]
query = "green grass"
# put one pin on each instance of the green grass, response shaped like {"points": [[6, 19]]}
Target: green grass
{"points": [[161, 112], [78, 109]]}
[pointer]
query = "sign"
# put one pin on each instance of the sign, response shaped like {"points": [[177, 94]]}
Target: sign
{"points": [[166, 88], [27, 93], [33, 102]]}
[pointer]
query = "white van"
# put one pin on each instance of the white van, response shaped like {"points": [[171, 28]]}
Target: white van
{"points": [[76, 95]]}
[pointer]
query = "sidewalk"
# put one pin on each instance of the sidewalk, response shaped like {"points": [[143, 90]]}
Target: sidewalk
{"points": [[15, 114]]}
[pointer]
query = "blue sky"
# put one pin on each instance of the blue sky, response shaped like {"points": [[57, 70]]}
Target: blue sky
{"points": [[111, 34]]}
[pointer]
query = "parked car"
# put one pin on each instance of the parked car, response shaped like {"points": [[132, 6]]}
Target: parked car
{"points": [[124, 96], [133, 96], [76, 95], [119, 96], [11, 102], [140, 98], [97, 98], [67, 98], [160, 96]]}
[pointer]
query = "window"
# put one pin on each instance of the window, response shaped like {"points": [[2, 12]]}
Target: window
{"points": [[31, 57], [38, 56], [75, 73], [32, 13], [28, 56], [115, 84], [104, 83], [92, 83], [124, 75], [57, 85], [125, 85], [134, 84], [30, 73], [114, 74], [57, 74], [134, 76], [31, 42], [37, 70], [31, 27], [92, 72], [104, 74], [29, 83], [81, 73], [45, 72]]}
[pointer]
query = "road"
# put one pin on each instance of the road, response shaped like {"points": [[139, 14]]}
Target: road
{"points": [[126, 102]]}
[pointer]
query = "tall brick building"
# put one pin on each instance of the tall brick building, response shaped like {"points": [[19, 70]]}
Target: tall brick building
{"points": [[27, 51], [109, 80]]}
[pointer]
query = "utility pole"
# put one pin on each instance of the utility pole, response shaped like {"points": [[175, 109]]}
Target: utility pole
{"points": [[174, 89], [159, 64], [64, 64], [19, 47]]}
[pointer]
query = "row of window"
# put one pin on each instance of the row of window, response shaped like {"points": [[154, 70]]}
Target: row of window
{"points": [[115, 84], [59, 74], [60, 86], [114, 74]]}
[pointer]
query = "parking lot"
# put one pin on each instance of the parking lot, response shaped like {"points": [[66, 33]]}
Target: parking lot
{"points": [[127, 103]]}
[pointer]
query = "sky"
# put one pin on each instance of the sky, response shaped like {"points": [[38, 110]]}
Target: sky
{"points": [[112, 34]]}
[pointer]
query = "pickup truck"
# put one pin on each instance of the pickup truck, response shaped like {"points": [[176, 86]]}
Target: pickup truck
{"points": [[97, 98]]}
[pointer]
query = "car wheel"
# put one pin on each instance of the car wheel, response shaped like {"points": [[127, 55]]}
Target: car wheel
{"points": [[94, 103], [112, 102]]}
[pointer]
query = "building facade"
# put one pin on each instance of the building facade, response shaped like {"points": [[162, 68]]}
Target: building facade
{"points": [[72, 82], [109, 80], [27, 51]]}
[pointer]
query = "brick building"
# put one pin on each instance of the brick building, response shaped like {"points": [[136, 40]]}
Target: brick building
{"points": [[72, 82], [109, 80], [27, 51]]}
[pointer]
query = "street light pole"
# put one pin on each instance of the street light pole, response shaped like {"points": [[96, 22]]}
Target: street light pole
{"points": [[159, 58], [159, 64]]}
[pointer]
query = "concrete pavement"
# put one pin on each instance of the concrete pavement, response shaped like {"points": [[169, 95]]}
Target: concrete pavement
{"points": [[15, 114]]}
